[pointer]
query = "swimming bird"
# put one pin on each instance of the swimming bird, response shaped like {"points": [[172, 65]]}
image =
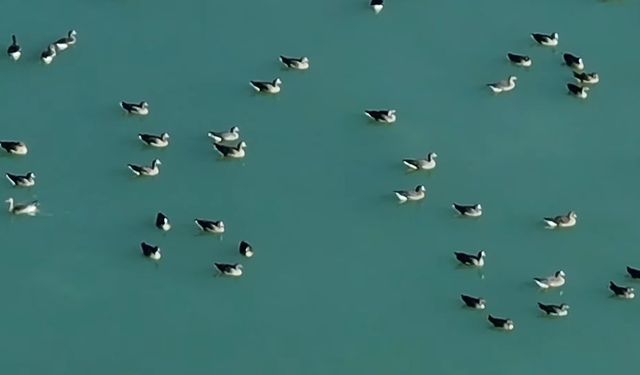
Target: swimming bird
{"points": [[210, 226], [159, 141], [573, 61], [141, 108], [503, 86], [232, 134], [621, 291], [377, 5], [554, 310], [385, 116], [229, 269], [474, 210], [555, 281], [546, 40], [473, 302], [502, 323], [246, 249], [153, 170], [562, 221], [411, 195], [48, 55], [425, 164], [30, 209], [150, 251], [69, 40], [577, 91], [162, 222], [520, 60], [586, 78], [14, 51], [633, 272], [24, 181], [470, 259], [297, 63], [14, 147], [235, 152], [272, 87]]}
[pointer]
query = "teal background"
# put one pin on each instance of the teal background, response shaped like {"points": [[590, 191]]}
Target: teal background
{"points": [[344, 281]]}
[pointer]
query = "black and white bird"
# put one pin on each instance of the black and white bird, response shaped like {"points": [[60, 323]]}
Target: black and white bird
{"points": [[272, 87], [235, 152], [557, 280], [419, 193], [548, 40], [14, 51], [162, 222], [476, 260], [633, 272], [385, 116], [501, 323], [586, 78], [621, 291], [48, 55], [427, 163], [474, 210], [232, 134], [377, 5], [140, 170], [503, 86], [26, 180], [150, 251], [573, 61], [473, 302], [210, 226], [14, 147], [229, 269], [245, 249], [554, 310], [520, 60], [577, 91], [69, 40], [562, 221], [29, 209], [152, 140], [297, 63], [141, 108]]}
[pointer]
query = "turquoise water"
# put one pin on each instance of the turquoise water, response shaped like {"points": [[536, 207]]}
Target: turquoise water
{"points": [[344, 281]]}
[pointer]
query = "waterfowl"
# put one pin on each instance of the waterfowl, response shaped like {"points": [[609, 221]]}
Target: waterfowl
{"points": [[555, 281], [30, 209], [246, 249], [562, 221], [503, 86], [159, 141], [229, 269], [298, 63], [425, 164], [470, 259], [162, 222], [139, 170], [554, 310], [48, 55], [236, 152], [633, 272], [473, 302], [232, 134], [384, 116], [272, 87], [501, 323], [22, 180], [520, 60], [573, 61], [150, 251], [621, 291], [210, 226], [577, 91], [14, 51], [474, 210], [586, 78], [377, 5], [14, 147], [141, 108], [69, 40], [550, 40], [411, 195]]}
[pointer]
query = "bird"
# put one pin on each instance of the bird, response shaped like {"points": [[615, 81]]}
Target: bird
{"points": [[573, 61], [473, 302], [162, 222], [554, 310], [232, 134], [550, 40], [153, 170], [210, 226], [377, 5], [14, 147], [621, 291], [633, 272], [503, 86], [586, 78], [470, 259], [150, 251], [297, 63], [385, 116], [26, 180], [246, 249], [474, 210], [159, 141], [14, 51], [417, 194], [519, 60], [577, 91], [235, 152], [229, 269], [562, 221], [555, 281], [48, 55], [30, 209], [502, 323], [141, 108], [272, 87], [425, 164], [69, 40]]}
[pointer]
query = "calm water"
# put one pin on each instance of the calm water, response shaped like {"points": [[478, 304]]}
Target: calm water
{"points": [[344, 281]]}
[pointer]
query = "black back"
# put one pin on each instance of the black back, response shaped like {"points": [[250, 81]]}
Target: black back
{"points": [[244, 246], [618, 290], [574, 89], [633, 272], [570, 59], [464, 258], [377, 2], [148, 249], [497, 322], [160, 219], [470, 301]]}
